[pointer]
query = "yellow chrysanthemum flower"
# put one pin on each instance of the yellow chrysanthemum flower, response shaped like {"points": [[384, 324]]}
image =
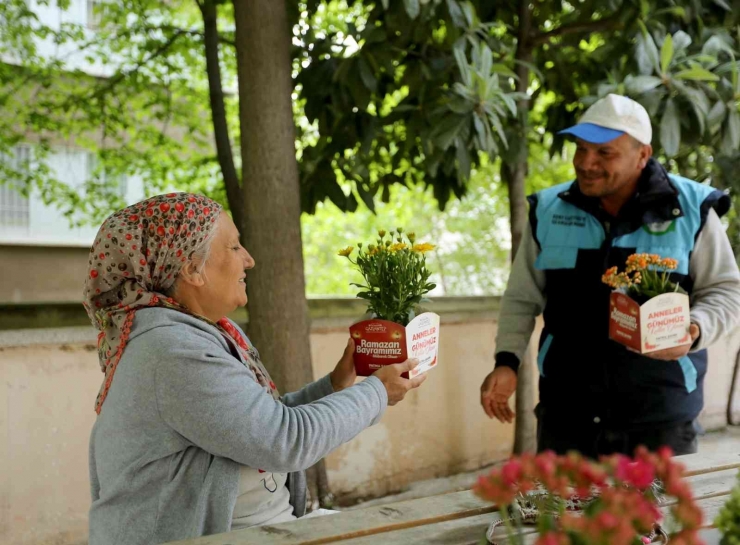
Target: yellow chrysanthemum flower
{"points": [[423, 247], [346, 251], [398, 246]]}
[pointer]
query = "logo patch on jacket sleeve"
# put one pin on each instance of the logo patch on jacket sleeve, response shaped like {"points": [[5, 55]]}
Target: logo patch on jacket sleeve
{"points": [[660, 227]]}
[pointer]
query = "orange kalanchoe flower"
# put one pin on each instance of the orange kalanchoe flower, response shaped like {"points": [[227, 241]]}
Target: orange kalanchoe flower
{"points": [[645, 275]]}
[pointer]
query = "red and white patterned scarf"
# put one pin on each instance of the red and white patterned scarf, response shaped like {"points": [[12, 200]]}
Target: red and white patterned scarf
{"points": [[136, 257]]}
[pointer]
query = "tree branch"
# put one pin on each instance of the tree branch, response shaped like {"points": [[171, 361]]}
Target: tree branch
{"points": [[123, 74], [190, 32], [218, 112], [610, 23]]}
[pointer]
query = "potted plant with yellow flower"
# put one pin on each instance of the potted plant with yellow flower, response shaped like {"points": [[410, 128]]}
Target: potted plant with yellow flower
{"points": [[396, 281], [647, 311]]}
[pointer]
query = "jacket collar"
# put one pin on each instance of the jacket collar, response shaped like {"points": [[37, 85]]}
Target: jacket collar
{"points": [[656, 198]]}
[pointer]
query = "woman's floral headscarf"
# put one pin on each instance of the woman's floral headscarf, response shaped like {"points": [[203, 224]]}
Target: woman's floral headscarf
{"points": [[136, 257]]}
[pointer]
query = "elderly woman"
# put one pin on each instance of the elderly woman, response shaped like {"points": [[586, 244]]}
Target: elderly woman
{"points": [[192, 437]]}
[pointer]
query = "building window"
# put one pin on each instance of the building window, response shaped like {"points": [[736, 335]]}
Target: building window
{"points": [[118, 183], [94, 12], [14, 210]]}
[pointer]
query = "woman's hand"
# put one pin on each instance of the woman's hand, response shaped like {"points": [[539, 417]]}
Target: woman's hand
{"points": [[344, 374], [395, 385]]}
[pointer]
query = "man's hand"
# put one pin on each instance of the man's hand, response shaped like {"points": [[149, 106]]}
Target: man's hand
{"points": [[344, 374], [677, 352], [495, 393]]}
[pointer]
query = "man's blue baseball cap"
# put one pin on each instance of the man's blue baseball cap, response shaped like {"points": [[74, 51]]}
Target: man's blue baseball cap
{"points": [[596, 134], [610, 118]]}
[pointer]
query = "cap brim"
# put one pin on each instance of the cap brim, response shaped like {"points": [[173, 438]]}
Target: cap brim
{"points": [[595, 134]]}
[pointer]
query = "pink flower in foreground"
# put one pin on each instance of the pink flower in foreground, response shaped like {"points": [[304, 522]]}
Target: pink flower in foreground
{"points": [[639, 473], [552, 538]]}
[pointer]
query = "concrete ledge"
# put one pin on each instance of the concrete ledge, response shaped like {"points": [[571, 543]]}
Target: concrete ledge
{"points": [[67, 323], [48, 336], [341, 313]]}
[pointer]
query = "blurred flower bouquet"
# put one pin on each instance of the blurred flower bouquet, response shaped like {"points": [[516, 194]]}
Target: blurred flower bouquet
{"points": [[396, 283], [648, 311], [570, 500]]}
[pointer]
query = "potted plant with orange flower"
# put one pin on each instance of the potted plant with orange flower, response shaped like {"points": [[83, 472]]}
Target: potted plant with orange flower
{"points": [[647, 311], [396, 281]]}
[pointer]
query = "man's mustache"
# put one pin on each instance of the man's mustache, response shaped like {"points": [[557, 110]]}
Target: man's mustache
{"points": [[590, 173]]}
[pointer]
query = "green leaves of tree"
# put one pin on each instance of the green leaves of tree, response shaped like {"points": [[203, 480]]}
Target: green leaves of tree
{"points": [[416, 107], [685, 85], [670, 129], [666, 54], [412, 8]]}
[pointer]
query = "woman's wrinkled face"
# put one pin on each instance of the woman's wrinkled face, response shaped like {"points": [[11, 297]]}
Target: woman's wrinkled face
{"points": [[225, 285]]}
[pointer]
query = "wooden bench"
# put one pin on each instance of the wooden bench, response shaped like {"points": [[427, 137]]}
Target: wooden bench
{"points": [[458, 518]]}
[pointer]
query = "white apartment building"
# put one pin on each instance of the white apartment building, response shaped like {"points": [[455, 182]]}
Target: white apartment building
{"points": [[27, 220]]}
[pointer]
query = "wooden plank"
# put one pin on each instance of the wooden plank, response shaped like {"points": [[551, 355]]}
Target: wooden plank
{"points": [[710, 489], [707, 485], [467, 531], [710, 536], [472, 530], [699, 463], [331, 528], [710, 475]]}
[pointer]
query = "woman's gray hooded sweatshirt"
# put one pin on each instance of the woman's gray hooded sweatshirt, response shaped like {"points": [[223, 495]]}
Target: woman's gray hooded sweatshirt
{"points": [[183, 412]]}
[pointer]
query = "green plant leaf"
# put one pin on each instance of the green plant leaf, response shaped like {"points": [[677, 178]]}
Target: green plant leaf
{"points": [[463, 66], [652, 101], [677, 11], [446, 131], [469, 12], [698, 100], [696, 73], [504, 70], [367, 76], [509, 101], [463, 161], [412, 8], [366, 196], [640, 84], [670, 129], [716, 44], [531, 67], [456, 14], [460, 105], [666, 53], [733, 128], [681, 41], [646, 52], [716, 116], [486, 60]]}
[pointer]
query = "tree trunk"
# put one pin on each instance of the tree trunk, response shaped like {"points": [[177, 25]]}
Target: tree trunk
{"points": [[515, 175], [278, 311], [218, 111], [525, 437]]}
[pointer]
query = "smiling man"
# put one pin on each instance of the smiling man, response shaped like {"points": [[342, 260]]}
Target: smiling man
{"points": [[596, 396]]}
